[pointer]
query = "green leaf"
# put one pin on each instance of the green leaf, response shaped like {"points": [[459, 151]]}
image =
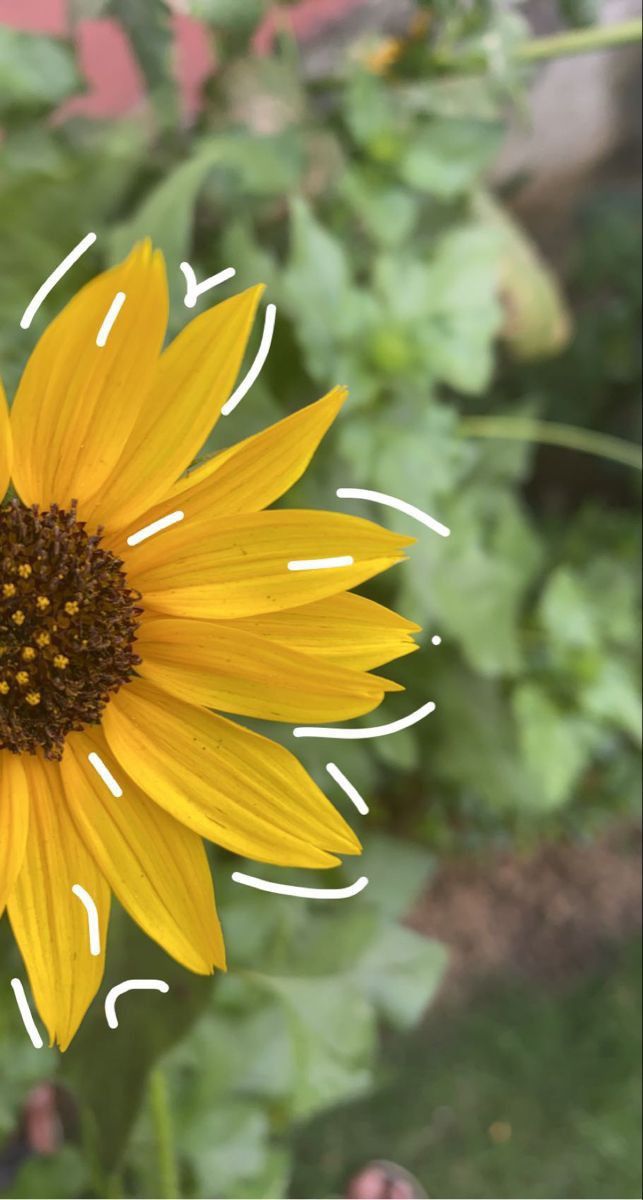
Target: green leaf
{"points": [[480, 576], [228, 14], [35, 72], [317, 275], [226, 1145], [372, 116], [330, 315], [167, 213], [397, 870], [333, 1034], [387, 212], [446, 157], [473, 746], [567, 610], [614, 696], [554, 744], [400, 972]]}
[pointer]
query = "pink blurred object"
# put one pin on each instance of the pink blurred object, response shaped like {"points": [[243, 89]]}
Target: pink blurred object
{"points": [[41, 1122], [304, 20], [381, 1180]]}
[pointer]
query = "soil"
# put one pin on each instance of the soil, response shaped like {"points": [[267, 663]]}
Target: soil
{"points": [[548, 916]]}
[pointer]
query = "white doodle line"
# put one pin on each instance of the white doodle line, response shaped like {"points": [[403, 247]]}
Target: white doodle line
{"points": [[257, 366], [108, 323], [374, 731], [25, 1013], [349, 788], [194, 289], [393, 502], [92, 918], [286, 889], [130, 985], [55, 277], [105, 774], [320, 564], [155, 527]]}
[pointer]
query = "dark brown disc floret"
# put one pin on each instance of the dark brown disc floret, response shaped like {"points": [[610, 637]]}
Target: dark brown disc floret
{"points": [[68, 624]]}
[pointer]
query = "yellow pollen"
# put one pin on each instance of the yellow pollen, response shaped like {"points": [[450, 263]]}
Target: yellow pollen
{"points": [[28, 654], [18, 617], [43, 639], [4, 687], [61, 661], [8, 590], [24, 570], [33, 698], [22, 678], [42, 603], [72, 607]]}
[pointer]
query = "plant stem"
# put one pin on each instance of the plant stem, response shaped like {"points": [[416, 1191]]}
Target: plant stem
{"points": [[527, 429], [557, 45], [162, 1121], [580, 41]]}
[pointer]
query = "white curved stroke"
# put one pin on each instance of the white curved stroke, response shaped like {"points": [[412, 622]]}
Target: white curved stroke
{"points": [[393, 502], [257, 366], [55, 277], [194, 289], [347, 787], [25, 1013], [105, 774], [108, 322], [320, 564], [92, 918], [148, 531], [287, 889], [375, 731], [130, 985]]}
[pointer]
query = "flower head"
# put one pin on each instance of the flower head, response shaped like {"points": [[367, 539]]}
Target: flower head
{"points": [[130, 651]]}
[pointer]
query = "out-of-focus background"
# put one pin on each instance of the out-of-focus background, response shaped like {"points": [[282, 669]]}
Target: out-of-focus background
{"points": [[443, 199]]}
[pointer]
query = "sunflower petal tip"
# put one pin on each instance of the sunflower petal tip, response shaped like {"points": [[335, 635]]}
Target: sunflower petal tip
{"points": [[390, 685]]}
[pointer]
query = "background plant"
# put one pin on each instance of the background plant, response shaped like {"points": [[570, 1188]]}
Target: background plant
{"points": [[359, 196]]}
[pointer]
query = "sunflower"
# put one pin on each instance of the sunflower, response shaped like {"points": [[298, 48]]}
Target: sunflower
{"points": [[131, 652]]}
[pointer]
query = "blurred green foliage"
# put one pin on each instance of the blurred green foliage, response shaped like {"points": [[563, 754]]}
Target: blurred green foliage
{"points": [[524, 1093], [359, 199]]}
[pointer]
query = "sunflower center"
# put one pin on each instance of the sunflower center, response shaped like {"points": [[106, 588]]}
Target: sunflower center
{"points": [[68, 624]]}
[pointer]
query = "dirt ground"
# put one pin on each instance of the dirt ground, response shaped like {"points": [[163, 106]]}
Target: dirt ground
{"points": [[546, 916]]}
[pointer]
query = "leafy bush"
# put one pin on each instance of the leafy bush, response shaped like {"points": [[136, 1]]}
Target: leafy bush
{"points": [[360, 199]]}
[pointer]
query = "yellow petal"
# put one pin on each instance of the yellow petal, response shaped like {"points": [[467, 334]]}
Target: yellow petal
{"points": [[156, 867], [193, 381], [14, 821], [77, 402], [49, 922], [251, 475], [347, 629], [230, 785], [5, 444], [217, 666], [238, 566]]}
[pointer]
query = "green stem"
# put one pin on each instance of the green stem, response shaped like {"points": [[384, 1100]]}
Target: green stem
{"points": [[162, 1121], [557, 45], [527, 429], [580, 41]]}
